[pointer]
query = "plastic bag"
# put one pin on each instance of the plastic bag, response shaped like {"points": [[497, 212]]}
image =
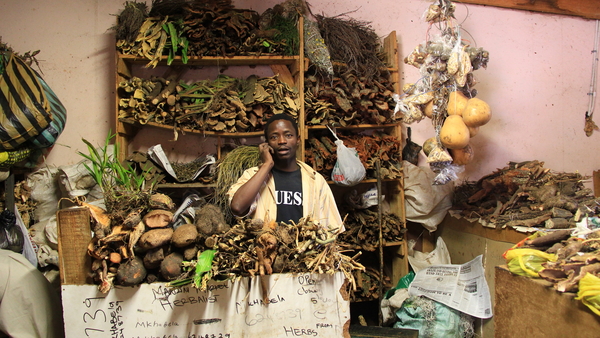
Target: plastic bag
{"points": [[433, 319], [420, 260], [411, 150], [11, 237], [527, 262], [348, 169], [589, 292]]}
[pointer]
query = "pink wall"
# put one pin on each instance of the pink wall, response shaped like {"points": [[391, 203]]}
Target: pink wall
{"points": [[536, 82]]}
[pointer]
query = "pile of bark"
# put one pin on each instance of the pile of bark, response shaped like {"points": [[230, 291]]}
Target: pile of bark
{"points": [[348, 99], [222, 105], [526, 194], [190, 29], [362, 230], [149, 246], [321, 153]]}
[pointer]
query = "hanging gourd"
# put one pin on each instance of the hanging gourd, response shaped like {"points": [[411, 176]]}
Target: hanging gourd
{"points": [[454, 133], [477, 113]]}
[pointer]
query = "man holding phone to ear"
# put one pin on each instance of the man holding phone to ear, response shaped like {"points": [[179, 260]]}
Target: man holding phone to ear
{"points": [[283, 188]]}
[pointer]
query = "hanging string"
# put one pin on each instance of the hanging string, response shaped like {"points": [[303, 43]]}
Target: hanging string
{"points": [[590, 126]]}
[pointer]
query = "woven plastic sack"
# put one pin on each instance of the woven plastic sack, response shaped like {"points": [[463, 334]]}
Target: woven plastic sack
{"points": [[24, 108], [433, 319]]}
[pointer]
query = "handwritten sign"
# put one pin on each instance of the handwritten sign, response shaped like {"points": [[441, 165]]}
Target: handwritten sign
{"points": [[306, 305]]}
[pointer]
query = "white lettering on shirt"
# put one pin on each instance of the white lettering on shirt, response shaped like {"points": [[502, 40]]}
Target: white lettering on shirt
{"points": [[288, 197]]}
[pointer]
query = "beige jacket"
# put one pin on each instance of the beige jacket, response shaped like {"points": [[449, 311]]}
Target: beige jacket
{"points": [[318, 200]]}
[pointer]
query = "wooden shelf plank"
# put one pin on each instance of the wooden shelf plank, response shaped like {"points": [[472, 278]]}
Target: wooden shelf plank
{"points": [[219, 61], [589, 9], [193, 131]]}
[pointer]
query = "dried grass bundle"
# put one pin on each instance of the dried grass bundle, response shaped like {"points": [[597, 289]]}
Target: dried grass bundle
{"points": [[352, 42], [229, 170]]}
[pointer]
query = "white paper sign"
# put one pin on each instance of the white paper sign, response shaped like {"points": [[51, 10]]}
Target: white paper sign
{"points": [[462, 287], [308, 305]]}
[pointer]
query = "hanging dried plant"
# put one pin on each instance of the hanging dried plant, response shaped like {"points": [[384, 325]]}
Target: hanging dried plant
{"points": [[130, 20]]}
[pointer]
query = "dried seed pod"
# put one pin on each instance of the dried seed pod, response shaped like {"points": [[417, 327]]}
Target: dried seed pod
{"points": [[170, 267], [131, 272], [185, 235], [161, 201], [155, 237], [158, 218]]}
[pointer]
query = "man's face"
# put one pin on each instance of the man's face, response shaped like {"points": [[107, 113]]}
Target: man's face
{"points": [[282, 137]]}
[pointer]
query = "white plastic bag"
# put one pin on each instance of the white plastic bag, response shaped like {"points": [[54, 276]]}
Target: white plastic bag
{"points": [[420, 260], [348, 169]]}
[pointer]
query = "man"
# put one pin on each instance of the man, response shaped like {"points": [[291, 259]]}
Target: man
{"points": [[29, 306], [282, 188]]}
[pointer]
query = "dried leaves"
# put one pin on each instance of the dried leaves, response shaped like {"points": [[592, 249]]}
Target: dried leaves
{"points": [[225, 104]]}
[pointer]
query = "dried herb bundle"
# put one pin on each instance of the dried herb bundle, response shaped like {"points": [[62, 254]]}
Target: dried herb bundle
{"points": [[130, 20], [229, 169], [352, 42]]}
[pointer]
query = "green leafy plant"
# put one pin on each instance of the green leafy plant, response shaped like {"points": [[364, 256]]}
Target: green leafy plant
{"points": [[122, 185]]}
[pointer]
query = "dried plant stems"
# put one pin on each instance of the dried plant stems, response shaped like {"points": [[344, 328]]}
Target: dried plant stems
{"points": [[352, 42]]}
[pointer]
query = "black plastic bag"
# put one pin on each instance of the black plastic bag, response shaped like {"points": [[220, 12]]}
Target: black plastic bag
{"points": [[411, 150], [11, 236]]}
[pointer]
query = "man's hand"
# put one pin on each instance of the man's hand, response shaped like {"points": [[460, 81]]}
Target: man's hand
{"points": [[266, 153]]}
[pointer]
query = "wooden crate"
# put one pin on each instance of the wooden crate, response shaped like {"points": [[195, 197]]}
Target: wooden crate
{"points": [[74, 236]]}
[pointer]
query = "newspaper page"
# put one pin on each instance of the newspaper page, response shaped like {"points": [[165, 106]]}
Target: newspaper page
{"points": [[460, 286]]}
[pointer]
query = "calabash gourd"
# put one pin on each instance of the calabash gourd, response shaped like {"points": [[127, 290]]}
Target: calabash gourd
{"points": [[454, 133], [473, 131], [457, 101], [462, 156], [476, 113], [428, 110]]}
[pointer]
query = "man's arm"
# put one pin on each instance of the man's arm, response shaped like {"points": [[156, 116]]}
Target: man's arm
{"points": [[245, 195]]}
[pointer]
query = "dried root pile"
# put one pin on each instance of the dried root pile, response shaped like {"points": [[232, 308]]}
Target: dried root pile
{"points": [[526, 195], [146, 247], [368, 282], [348, 99], [191, 28], [257, 248], [362, 230], [321, 153], [225, 104]]}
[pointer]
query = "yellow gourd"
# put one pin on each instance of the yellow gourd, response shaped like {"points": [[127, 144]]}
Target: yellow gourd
{"points": [[428, 110], [477, 113], [457, 101], [462, 156], [473, 131], [454, 133]]}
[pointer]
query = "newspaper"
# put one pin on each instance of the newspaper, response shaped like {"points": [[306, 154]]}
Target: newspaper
{"points": [[158, 155], [460, 286]]}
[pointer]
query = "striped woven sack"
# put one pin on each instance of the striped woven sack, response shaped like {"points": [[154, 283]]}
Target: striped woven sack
{"points": [[49, 135], [24, 108]]}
